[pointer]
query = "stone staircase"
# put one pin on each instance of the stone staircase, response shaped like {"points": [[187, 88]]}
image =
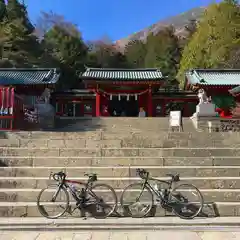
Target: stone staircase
{"points": [[113, 148]]}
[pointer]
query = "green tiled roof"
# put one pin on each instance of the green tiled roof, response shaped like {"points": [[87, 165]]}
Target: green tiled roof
{"points": [[214, 76], [15, 76], [122, 74]]}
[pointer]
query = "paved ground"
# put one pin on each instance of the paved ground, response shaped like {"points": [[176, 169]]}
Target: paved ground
{"points": [[222, 228], [119, 223], [119, 235]]}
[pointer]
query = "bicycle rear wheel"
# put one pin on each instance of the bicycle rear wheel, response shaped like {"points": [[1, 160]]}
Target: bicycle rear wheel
{"points": [[136, 201], [103, 199], [182, 206], [53, 201]]}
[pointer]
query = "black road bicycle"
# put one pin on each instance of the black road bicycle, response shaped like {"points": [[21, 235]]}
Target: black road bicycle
{"points": [[142, 197], [58, 195]]}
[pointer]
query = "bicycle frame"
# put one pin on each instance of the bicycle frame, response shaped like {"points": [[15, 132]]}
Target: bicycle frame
{"points": [[87, 188], [157, 193]]}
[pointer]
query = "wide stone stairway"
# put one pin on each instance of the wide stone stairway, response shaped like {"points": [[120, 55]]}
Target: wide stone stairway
{"points": [[113, 148]]}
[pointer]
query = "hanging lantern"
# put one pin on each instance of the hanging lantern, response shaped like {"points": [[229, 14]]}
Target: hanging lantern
{"points": [[128, 97], [119, 97], [136, 97]]}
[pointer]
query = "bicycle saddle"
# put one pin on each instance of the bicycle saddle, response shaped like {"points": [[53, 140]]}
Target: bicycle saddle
{"points": [[175, 177], [92, 176]]}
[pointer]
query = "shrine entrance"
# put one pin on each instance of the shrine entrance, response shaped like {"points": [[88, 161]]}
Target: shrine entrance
{"points": [[126, 106]]}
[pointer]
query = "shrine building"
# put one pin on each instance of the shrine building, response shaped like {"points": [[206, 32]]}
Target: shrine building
{"points": [[21, 88], [122, 92], [222, 85], [114, 92]]}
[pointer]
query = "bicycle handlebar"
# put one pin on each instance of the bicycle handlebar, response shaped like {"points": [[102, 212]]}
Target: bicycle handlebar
{"points": [[60, 176], [142, 173]]}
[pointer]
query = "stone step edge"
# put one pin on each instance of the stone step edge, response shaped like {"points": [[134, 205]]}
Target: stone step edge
{"points": [[33, 204], [121, 178], [232, 227], [117, 190], [113, 157], [123, 148], [118, 221], [123, 167]]}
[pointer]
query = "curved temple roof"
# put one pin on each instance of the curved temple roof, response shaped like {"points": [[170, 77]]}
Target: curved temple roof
{"points": [[214, 76], [28, 76], [122, 74]]}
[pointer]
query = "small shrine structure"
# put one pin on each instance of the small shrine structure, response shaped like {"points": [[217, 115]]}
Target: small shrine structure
{"points": [[221, 85], [22, 91]]}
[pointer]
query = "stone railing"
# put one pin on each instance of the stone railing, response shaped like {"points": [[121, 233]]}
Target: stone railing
{"points": [[232, 125], [216, 124]]}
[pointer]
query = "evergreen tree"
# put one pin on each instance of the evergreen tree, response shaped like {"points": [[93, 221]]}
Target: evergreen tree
{"points": [[135, 52], [163, 52], [69, 51], [19, 46], [17, 11], [2, 10], [218, 33]]}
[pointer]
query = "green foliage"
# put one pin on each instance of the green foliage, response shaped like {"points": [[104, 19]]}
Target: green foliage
{"points": [[218, 33], [213, 42], [3, 11], [17, 11], [68, 50], [135, 52], [163, 52], [19, 46]]}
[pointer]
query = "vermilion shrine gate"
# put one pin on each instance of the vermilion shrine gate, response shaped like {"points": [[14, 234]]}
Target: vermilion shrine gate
{"points": [[124, 91]]}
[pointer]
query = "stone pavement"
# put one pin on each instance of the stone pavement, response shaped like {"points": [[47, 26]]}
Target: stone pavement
{"points": [[119, 235]]}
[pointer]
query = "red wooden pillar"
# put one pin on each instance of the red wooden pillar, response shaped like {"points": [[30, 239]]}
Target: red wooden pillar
{"points": [[150, 105], [97, 104]]}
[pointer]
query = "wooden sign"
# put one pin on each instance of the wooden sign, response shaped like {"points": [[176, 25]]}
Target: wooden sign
{"points": [[175, 119]]}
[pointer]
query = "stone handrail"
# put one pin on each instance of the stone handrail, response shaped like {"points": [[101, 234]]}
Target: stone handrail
{"points": [[232, 124]]}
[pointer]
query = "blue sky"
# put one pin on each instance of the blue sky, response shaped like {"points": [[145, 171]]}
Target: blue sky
{"points": [[115, 19]]}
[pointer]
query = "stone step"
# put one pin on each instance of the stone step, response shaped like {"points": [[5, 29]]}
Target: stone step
{"points": [[29, 209], [119, 121], [155, 171], [219, 182], [114, 143], [117, 142], [30, 195], [62, 162], [105, 134], [120, 152]]}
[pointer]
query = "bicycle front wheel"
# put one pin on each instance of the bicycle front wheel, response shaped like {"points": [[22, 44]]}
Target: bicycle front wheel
{"points": [[186, 201], [137, 200], [104, 200], [53, 201]]}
